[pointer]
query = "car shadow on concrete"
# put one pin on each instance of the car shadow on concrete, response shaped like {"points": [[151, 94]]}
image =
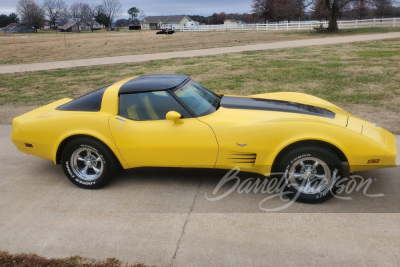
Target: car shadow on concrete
{"points": [[372, 191]]}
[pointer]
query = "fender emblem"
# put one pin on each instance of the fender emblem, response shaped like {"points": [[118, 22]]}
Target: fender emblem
{"points": [[241, 145]]}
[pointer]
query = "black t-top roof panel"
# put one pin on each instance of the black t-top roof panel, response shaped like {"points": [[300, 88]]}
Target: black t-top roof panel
{"points": [[155, 82]]}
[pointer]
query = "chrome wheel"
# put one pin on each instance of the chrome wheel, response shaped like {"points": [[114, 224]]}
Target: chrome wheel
{"points": [[309, 175], [87, 164]]}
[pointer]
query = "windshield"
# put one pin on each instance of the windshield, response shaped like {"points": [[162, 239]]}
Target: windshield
{"points": [[198, 98]]}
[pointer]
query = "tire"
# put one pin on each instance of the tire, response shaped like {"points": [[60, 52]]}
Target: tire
{"points": [[311, 173], [88, 163]]}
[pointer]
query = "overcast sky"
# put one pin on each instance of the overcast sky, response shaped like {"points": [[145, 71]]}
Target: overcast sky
{"points": [[162, 7]]}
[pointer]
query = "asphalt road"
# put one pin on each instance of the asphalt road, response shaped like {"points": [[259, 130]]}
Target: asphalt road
{"points": [[162, 217]]}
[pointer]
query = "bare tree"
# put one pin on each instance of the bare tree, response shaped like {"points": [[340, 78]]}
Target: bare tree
{"points": [[331, 9], [218, 18], [31, 14], [264, 9], [382, 7], [319, 10], [279, 9], [65, 17], [336, 6], [90, 12], [141, 15], [359, 9], [111, 8], [290, 9], [79, 12], [54, 9]]}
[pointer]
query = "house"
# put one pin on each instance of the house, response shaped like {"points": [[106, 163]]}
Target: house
{"points": [[48, 25], [232, 22], [192, 24], [72, 26], [18, 28], [160, 22]]}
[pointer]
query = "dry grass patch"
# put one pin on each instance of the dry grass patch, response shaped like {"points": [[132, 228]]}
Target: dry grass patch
{"points": [[46, 47], [27, 260]]}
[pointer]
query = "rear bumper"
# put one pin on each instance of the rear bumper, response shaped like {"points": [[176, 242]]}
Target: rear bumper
{"points": [[16, 137], [386, 152], [390, 158]]}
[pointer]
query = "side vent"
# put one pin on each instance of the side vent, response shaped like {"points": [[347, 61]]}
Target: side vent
{"points": [[242, 159]]}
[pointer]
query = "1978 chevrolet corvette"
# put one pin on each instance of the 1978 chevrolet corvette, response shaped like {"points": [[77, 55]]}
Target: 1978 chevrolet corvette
{"points": [[173, 121]]}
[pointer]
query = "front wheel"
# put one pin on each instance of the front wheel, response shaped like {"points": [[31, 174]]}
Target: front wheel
{"points": [[88, 163], [311, 173]]}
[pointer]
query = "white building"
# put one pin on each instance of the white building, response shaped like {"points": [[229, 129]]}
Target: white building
{"points": [[232, 22], [161, 22]]}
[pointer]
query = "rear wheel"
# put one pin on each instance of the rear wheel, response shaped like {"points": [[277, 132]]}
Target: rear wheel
{"points": [[88, 163], [311, 173]]}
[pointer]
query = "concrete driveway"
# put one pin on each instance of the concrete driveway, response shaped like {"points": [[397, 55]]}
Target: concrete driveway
{"points": [[162, 217]]}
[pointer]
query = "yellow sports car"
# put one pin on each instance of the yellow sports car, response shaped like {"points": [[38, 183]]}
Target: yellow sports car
{"points": [[173, 121]]}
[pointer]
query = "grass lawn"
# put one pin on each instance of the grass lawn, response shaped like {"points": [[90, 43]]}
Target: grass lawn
{"points": [[362, 77], [46, 46], [343, 32]]}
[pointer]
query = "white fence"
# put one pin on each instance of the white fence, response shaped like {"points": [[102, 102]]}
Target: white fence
{"points": [[309, 25]]}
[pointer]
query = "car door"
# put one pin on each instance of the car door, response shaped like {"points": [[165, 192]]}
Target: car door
{"points": [[145, 137]]}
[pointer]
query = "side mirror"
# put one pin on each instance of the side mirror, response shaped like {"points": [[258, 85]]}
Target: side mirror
{"points": [[173, 116]]}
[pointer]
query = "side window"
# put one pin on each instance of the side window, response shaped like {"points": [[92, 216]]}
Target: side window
{"points": [[149, 106]]}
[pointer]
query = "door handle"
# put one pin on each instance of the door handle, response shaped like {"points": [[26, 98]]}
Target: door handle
{"points": [[121, 119]]}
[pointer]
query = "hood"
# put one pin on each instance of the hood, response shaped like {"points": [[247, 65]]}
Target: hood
{"points": [[279, 107], [252, 103]]}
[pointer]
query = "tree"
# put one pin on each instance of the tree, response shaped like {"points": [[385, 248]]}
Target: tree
{"points": [[64, 17], [31, 14], [141, 15], [279, 9], [122, 22], [90, 15], [336, 6], [13, 18], [111, 8], [249, 18], [80, 12], [7, 19], [101, 17], [319, 10], [264, 9], [134, 12], [289, 9], [383, 7], [218, 18], [199, 18], [54, 9], [359, 9]]}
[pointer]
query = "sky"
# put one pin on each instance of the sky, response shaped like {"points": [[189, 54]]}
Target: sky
{"points": [[161, 7]]}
